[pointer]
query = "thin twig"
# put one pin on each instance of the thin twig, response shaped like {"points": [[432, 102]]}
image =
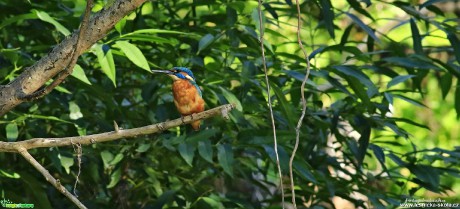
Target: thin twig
{"points": [[79, 151], [304, 103], [49, 177], [261, 31], [73, 61], [113, 135]]}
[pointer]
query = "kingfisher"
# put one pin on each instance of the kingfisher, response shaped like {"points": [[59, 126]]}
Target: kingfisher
{"points": [[187, 94]]}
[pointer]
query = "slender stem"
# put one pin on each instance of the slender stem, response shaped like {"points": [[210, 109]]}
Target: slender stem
{"points": [[275, 143], [304, 104]]}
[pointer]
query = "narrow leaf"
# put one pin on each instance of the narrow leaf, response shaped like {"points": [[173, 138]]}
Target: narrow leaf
{"points": [[455, 44], [399, 79], [225, 158], [417, 40], [205, 42], [361, 24], [66, 162], [134, 54], [114, 178], [457, 100], [446, 84], [47, 18], [363, 144], [105, 58], [328, 15]]}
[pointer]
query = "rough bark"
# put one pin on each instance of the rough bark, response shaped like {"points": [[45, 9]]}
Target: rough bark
{"points": [[54, 62]]}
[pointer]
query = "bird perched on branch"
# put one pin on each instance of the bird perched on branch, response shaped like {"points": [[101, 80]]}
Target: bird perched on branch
{"points": [[187, 94]]}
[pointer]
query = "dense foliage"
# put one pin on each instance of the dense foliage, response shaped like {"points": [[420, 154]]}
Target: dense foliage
{"points": [[377, 66]]}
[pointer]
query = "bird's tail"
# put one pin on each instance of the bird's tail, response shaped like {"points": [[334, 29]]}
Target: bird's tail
{"points": [[196, 125]]}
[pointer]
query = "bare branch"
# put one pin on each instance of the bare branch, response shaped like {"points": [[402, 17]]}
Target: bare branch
{"points": [[49, 177], [113, 135], [50, 65], [264, 61], [69, 68], [304, 104]]}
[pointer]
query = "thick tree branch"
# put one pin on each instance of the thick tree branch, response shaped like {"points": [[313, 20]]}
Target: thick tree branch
{"points": [[54, 62], [22, 146], [69, 68], [113, 135]]}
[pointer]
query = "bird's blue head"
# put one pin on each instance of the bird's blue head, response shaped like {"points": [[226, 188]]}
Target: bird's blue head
{"points": [[177, 73]]}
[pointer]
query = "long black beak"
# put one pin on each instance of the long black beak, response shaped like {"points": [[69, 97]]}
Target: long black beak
{"points": [[162, 71]]}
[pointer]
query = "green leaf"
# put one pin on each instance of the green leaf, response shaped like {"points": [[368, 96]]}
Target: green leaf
{"points": [[357, 6], [378, 152], [12, 132], [446, 84], [114, 178], [363, 26], [205, 42], [143, 148], [79, 74], [346, 34], [187, 151], [363, 144], [17, 18], [417, 40], [427, 174], [231, 98], [305, 171], [225, 158], [120, 25], [328, 15], [205, 150], [12, 175], [457, 99], [455, 45], [399, 79], [134, 54], [47, 18], [407, 99], [66, 162], [430, 2], [105, 58], [74, 111], [107, 157], [207, 202], [396, 159], [287, 106]]}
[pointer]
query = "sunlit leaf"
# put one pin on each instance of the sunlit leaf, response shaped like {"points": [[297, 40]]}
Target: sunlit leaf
{"points": [[66, 162], [231, 98], [114, 178], [105, 58], [134, 54], [47, 18], [79, 74], [75, 112]]}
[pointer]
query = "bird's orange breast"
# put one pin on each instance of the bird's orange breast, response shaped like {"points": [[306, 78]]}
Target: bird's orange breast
{"points": [[186, 97]]}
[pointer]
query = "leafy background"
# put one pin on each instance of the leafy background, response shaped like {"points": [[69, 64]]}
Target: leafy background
{"points": [[382, 104]]}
